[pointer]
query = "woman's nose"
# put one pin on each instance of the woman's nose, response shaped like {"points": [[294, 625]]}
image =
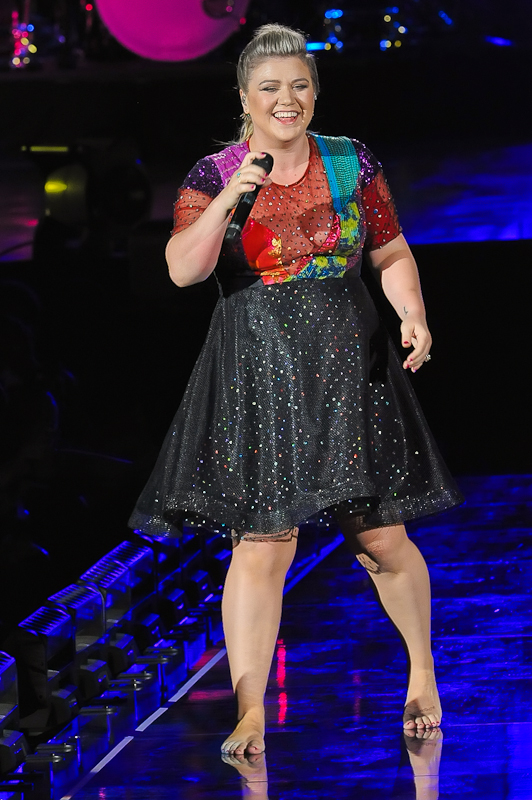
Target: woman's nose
{"points": [[286, 97]]}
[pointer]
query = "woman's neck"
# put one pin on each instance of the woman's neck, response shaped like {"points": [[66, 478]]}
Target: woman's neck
{"points": [[290, 160]]}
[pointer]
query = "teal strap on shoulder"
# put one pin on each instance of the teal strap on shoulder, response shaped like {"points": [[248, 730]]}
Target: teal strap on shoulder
{"points": [[342, 167]]}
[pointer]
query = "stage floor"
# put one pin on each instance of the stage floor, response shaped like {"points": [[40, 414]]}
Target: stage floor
{"points": [[337, 684]]}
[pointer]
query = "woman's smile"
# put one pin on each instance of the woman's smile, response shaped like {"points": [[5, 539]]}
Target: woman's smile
{"points": [[286, 117]]}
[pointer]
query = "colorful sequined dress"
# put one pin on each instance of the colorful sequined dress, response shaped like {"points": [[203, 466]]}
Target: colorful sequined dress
{"points": [[298, 403]]}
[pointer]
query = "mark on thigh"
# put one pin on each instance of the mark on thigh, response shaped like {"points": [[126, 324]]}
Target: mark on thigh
{"points": [[368, 563], [247, 536]]}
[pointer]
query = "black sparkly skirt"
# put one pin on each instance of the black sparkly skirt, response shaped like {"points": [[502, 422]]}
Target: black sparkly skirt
{"points": [[298, 402]]}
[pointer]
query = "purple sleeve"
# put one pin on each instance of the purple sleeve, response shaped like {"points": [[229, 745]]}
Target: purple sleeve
{"points": [[204, 177]]}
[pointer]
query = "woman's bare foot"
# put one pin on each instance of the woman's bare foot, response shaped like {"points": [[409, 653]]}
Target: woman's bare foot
{"points": [[248, 736], [423, 707]]}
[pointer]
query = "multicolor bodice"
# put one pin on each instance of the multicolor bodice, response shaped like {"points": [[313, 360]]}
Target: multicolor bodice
{"points": [[314, 228]]}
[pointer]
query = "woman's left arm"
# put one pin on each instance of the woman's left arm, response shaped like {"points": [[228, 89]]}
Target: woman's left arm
{"points": [[399, 279]]}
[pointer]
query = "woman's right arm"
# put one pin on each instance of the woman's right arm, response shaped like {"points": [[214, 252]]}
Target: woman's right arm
{"points": [[193, 253]]}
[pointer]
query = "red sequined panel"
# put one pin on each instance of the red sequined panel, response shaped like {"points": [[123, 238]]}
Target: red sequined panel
{"points": [[381, 215], [188, 207], [300, 215]]}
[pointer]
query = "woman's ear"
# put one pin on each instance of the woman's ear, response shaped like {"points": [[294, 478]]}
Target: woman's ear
{"points": [[243, 101]]}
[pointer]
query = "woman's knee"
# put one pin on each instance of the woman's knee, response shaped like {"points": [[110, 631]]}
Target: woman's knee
{"points": [[382, 549]]}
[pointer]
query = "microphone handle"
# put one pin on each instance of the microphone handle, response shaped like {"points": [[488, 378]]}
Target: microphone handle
{"points": [[245, 204]]}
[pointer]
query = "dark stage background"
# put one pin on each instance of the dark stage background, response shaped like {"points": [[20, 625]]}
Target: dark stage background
{"points": [[97, 343]]}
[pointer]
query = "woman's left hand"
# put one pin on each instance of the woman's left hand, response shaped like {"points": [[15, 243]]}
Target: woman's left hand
{"points": [[415, 333]]}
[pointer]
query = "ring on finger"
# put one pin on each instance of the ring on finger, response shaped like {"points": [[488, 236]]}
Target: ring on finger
{"points": [[428, 357], [238, 174]]}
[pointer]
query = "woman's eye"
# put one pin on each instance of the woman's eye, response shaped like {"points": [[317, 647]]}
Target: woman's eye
{"points": [[301, 87]]}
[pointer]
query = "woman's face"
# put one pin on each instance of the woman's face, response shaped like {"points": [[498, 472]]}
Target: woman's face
{"points": [[280, 100]]}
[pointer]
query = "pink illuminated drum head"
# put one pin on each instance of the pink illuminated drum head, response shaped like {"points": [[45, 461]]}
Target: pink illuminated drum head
{"points": [[172, 30]]}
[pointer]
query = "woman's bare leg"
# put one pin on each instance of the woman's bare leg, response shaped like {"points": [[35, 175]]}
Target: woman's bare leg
{"points": [[401, 579], [251, 610]]}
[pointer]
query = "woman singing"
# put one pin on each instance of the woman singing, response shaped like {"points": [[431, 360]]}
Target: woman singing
{"points": [[298, 403]]}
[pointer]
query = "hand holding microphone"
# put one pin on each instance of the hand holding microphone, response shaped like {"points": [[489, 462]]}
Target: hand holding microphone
{"points": [[245, 203]]}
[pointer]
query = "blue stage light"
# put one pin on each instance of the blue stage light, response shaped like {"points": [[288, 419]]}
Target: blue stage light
{"points": [[445, 17], [499, 41], [334, 13], [315, 45]]}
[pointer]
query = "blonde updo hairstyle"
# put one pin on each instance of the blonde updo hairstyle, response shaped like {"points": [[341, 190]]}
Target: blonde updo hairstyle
{"points": [[271, 41]]}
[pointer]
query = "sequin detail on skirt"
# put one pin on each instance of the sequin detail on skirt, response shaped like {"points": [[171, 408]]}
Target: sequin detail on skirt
{"points": [[297, 403]]}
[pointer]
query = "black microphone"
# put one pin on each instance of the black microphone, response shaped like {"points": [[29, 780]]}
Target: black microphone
{"points": [[245, 204]]}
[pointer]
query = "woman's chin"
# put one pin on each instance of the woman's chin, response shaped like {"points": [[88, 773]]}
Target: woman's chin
{"points": [[285, 134]]}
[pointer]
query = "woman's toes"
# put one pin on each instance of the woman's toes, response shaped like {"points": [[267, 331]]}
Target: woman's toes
{"points": [[427, 722], [233, 747], [239, 747]]}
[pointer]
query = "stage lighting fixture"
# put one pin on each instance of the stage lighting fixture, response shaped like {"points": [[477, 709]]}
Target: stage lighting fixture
{"points": [[92, 187], [106, 186], [445, 17], [22, 33], [85, 606], [8, 692], [44, 649], [111, 579], [180, 622], [13, 752], [122, 652], [65, 194], [166, 550], [139, 559], [125, 577], [498, 41]]}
